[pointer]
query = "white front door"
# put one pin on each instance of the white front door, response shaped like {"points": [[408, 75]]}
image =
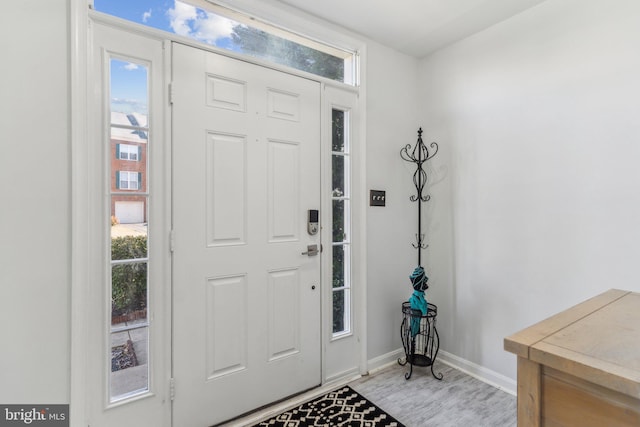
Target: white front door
{"points": [[246, 300]]}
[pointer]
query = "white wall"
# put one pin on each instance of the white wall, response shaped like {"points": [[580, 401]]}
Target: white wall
{"points": [[538, 120], [392, 112], [35, 199]]}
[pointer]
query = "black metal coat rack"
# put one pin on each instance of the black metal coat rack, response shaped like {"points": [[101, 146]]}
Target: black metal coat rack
{"points": [[418, 330], [419, 154]]}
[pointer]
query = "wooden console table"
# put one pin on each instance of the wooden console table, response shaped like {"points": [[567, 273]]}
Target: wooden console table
{"points": [[581, 367]]}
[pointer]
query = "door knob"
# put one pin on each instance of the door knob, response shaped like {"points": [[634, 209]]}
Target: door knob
{"points": [[312, 250]]}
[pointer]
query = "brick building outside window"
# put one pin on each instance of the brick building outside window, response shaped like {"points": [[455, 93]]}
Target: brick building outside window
{"points": [[128, 156]]}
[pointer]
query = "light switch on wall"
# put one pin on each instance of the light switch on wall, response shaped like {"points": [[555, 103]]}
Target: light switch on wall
{"points": [[377, 198]]}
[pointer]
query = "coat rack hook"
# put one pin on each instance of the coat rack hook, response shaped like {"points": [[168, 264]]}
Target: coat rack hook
{"points": [[419, 154]]}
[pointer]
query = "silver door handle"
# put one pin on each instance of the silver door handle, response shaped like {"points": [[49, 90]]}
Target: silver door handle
{"points": [[312, 250]]}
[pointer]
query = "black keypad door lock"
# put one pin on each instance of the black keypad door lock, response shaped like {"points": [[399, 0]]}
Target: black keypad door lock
{"points": [[313, 221]]}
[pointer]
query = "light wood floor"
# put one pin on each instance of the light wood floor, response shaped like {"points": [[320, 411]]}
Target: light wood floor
{"points": [[459, 400]]}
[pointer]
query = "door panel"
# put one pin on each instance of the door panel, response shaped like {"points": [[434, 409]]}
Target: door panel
{"points": [[246, 168], [225, 165]]}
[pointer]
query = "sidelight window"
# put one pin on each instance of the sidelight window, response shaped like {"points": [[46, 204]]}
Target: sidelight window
{"points": [[128, 327], [341, 222]]}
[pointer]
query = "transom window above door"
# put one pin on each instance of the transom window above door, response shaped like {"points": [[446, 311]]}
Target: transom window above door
{"points": [[206, 22]]}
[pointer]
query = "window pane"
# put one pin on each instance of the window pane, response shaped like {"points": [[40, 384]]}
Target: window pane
{"points": [[250, 36], [338, 311], [128, 291], [129, 94], [129, 320], [260, 44], [129, 363], [338, 266], [128, 155], [128, 241], [338, 134], [339, 221], [338, 176], [341, 309]]}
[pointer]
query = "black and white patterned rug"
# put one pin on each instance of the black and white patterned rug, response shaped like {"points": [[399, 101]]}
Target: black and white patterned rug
{"points": [[342, 407]]}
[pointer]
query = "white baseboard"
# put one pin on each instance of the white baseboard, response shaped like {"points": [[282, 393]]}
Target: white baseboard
{"points": [[486, 375], [341, 377], [481, 373], [381, 362]]}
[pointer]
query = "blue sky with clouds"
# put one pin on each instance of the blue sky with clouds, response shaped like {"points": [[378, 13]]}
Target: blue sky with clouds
{"points": [[149, 12], [129, 88], [128, 81]]}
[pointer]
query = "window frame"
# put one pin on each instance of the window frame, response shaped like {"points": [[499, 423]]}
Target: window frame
{"points": [[300, 36], [345, 243], [346, 353], [117, 190]]}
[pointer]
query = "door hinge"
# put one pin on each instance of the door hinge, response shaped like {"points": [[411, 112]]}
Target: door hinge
{"points": [[171, 93], [172, 389], [172, 241]]}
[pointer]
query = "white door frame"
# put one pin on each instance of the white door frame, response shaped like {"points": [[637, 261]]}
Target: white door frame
{"points": [[94, 320], [78, 64], [84, 201]]}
